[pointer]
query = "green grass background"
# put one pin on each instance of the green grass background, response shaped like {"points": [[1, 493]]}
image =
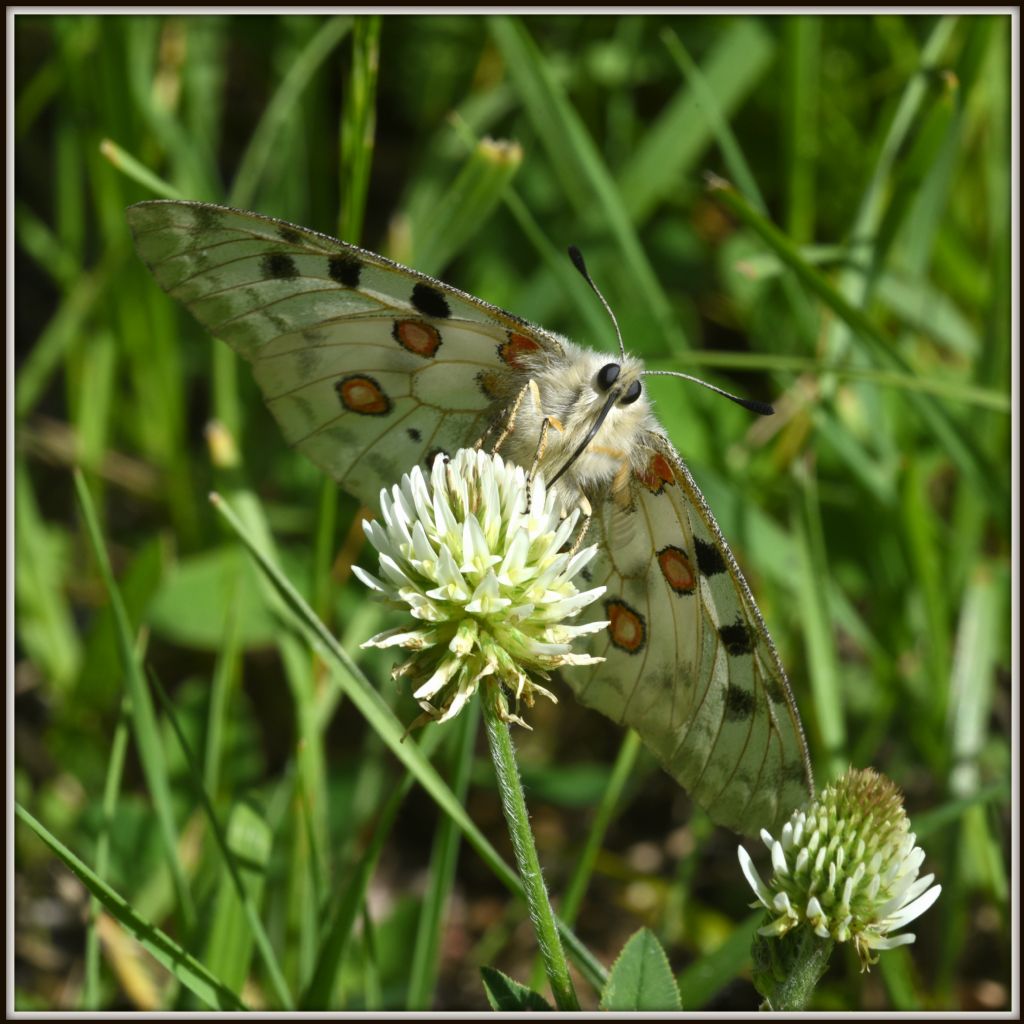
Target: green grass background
{"points": [[857, 274]]}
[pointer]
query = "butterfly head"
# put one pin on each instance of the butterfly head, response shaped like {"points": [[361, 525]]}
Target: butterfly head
{"points": [[603, 411]]}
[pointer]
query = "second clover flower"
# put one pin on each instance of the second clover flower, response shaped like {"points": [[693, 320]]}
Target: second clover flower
{"points": [[486, 570], [846, 867]]}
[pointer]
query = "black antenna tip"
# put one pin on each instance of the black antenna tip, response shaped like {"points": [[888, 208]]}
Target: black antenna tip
{"points": [[577, 261], [762, 408]]}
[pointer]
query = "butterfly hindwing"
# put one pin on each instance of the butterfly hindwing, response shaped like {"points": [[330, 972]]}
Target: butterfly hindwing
{"points": [[368, 366], [689, 663]]}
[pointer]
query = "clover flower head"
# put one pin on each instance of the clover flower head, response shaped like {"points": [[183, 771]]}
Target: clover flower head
{"points": [[846, 866], [483, 561]]}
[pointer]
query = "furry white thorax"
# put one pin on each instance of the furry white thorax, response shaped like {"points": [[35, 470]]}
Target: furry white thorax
{"points": [[572, 399]]}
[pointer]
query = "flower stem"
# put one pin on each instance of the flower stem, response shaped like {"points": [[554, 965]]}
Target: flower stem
{"points": [[514, 805], [787, 969]]}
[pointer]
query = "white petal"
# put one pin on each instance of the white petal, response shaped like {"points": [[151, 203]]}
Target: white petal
{"points": [[369, 580], [437, 681], [891, 941], [399, 637], [782, 905], [779, 864], [761, 891], [912, 910]]}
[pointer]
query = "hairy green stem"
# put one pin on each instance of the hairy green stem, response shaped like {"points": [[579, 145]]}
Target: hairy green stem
{"points": [[514, 804], [788, 968]]}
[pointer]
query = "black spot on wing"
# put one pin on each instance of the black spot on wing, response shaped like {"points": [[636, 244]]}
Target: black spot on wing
{"points": [[739, 704], [205, 219], [736, 638], [429, 301], [288, 234], [344, 270], [278, 265], [414, 434], [775, 692], [709, 558]]}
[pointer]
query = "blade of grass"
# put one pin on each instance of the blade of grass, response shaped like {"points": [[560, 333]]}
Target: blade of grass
{"points": [[225, 672], [823, 659], [111, 788], [464, 208], [244, 896], [358, 124], [952, 390], [576, 160], [136, 171], [583, 870], [230, 942], [701, 981], [144, 723], [801, 35], [855, 288], [379, 716], [43, 246], [371, 963], [972, 678], [718, 125], [738, 167], [281, 107], [554, 259], [924, 532], [443, 860], [955, 439], [45, 625], [62, 331], [351, 900], [189, 971], [669, 150]]}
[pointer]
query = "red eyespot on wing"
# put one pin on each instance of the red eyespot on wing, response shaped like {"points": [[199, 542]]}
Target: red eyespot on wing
{"points": [[625, 626], [516, 346], [657, 475], [417, 337], [677, 569], [362, 394]]}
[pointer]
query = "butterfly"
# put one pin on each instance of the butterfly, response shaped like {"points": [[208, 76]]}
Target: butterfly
{"points": [[370, 368]]}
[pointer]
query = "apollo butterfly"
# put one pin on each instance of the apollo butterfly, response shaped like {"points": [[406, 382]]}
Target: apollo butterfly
{"points": [[370, 367]]}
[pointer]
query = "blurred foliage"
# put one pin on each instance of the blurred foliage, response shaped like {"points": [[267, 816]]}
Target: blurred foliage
{"points": [[872, 513]]}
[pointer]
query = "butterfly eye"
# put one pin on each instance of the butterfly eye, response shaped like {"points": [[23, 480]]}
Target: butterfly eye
{"points": [[632, 394], [607, 375]]}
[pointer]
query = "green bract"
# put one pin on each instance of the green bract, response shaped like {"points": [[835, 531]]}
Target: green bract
{"points": [[847, 867], [486, 570]]}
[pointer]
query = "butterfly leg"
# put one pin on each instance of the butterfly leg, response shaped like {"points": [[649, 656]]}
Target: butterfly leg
{"points": [[546, 423], [510, 421], [582, 532]]}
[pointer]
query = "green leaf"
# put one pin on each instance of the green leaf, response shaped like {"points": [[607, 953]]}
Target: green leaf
{"points": [[192, 607], [641, 978], [506, 995]]}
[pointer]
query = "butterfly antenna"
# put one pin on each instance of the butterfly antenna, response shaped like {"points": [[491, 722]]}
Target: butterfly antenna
{"points": [[577, 261], [748, 403]]}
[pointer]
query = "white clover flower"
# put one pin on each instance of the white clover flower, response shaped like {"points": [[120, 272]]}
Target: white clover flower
{"points": [[487, 573], [847, 867]]}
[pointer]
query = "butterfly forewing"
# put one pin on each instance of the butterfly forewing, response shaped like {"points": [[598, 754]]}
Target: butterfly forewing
{"points": [[367, 366], [370, 368]]}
